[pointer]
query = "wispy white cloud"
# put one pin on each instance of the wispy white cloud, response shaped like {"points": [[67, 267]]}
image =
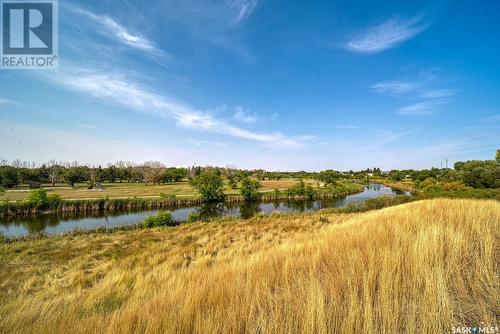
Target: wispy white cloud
{"points": [[243, 116], [109, 27], [345, 127], [116, 88], [421, 108], [6, 102], [388, 34], [203, 143], [388, 137], [439, 93], [244, 8], [88, 126], [394, 87]]}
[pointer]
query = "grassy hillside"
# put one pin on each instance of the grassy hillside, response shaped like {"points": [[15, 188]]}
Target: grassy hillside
{"points": [[420, 267]]}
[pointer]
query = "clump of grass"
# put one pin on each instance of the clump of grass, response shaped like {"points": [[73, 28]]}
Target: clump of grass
{"points": [[193, 217], [163, 218]]}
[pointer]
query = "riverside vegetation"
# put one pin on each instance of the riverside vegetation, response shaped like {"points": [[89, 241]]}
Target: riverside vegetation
{"points": [[419, 267]]}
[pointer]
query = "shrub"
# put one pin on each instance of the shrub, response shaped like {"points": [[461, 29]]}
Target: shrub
{"points": [[163, 218], [37, 198], [335, 188], [301, 189], [250, 189], [455, 186], [433, 188], [193, 217], [210, 185], [428, 182]]}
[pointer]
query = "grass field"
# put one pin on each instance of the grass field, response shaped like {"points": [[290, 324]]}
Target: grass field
{"points": [[421, 267], [124, 190]]}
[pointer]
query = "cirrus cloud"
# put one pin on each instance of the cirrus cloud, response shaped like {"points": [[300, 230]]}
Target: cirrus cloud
{"points": [[387, 34]]}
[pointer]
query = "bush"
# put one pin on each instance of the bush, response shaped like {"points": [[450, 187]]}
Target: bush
{"points": [[301, 189], [250, 189], [430, 181], [163, 218], [210, 186], [37, 199], [193, 217], [335, 188], [433, 188], [455, 186]]}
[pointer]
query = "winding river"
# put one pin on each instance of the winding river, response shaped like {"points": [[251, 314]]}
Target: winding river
{"points": [[61, 223]]}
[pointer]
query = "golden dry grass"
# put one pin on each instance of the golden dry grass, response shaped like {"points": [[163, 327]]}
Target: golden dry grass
{"points": [[422, 267]]}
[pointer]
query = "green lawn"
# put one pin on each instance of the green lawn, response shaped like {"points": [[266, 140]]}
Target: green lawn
{"points": [[124, 190]]}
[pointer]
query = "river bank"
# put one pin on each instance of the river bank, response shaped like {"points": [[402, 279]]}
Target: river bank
{"points": [[20, 208]]}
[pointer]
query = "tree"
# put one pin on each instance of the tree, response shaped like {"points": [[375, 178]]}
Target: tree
{"points": [[174, 174], [111, 173], [75, 174], [8, 177], [329, 176], [497, 158], [301, 189], [153, 171], [480, 174], [250, 189], [210, 185], [53, 171]]}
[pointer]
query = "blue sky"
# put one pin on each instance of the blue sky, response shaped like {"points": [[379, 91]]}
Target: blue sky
{"points": [[281, 85]]}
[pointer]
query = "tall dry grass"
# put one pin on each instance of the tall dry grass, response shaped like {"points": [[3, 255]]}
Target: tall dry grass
{"points": [[422, 267]]}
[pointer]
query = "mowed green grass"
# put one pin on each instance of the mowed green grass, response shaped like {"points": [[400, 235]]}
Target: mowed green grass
{"points": [[125, 190]]}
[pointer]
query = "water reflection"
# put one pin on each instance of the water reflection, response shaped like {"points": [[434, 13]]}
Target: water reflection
{"points": [[64, 222]]}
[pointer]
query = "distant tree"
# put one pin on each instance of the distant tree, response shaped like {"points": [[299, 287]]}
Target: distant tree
{"points": [[111, 173], [194, 172], [76, 174], [174, 174], [397, 175], [480, 174], [53, 170], [329, 177], [153, 171], [8, 177], [25, 174], [210, 185], [497, 158], [250, 188]]}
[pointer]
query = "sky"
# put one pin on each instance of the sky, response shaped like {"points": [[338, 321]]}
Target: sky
{"points": [[274, 84]]}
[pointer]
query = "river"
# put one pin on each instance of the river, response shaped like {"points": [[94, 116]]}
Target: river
{"points": [[61, 223]]}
